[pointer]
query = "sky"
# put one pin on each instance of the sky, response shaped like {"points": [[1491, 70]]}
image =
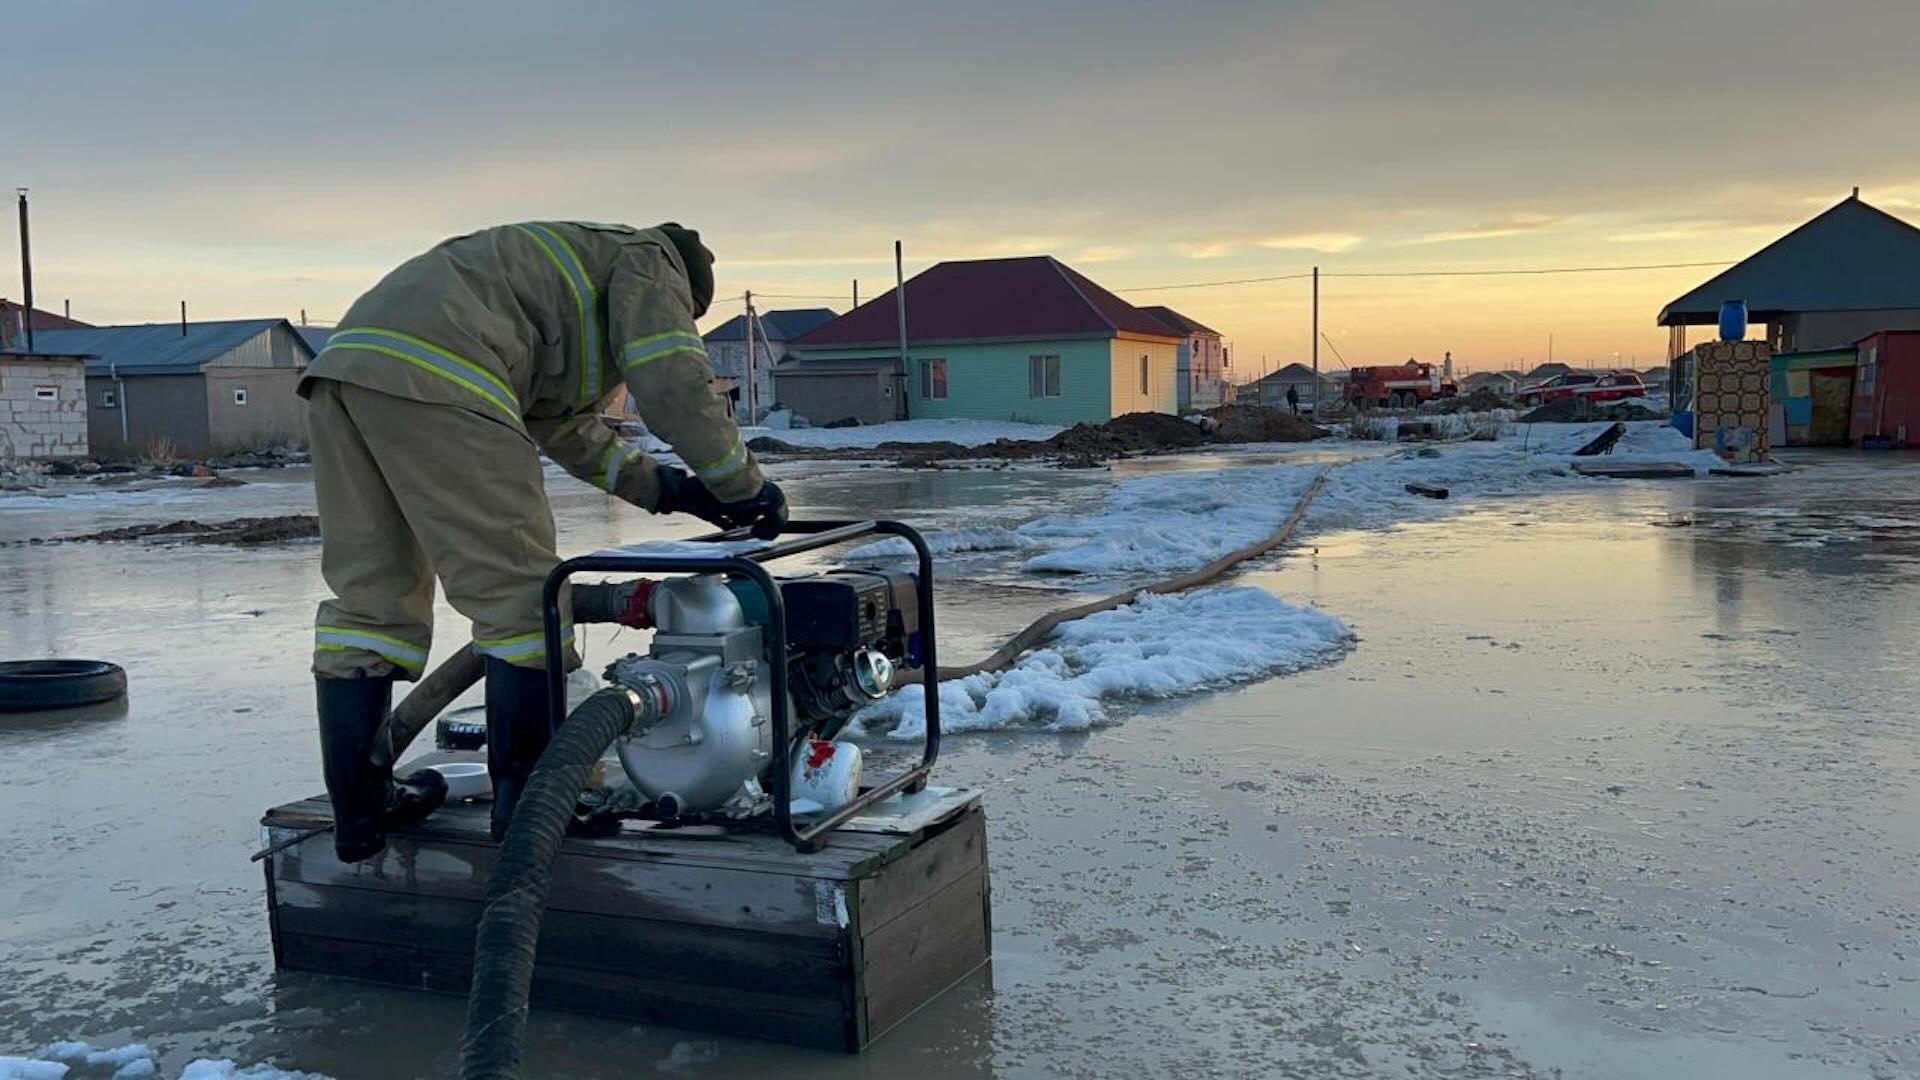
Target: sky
{"points": [[269, 159]]}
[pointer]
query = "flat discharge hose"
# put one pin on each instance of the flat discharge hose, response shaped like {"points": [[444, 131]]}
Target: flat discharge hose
{"points": [[1003, 657], [503, 947]]}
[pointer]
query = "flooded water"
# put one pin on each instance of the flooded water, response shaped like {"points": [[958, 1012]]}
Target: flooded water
{"points": [[1618, 782]]}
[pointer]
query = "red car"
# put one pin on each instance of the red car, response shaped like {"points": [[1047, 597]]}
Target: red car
{"points": [[1600, 388]]}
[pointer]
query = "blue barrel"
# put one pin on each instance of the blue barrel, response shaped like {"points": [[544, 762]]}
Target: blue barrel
{"points": [[1733, 320]]}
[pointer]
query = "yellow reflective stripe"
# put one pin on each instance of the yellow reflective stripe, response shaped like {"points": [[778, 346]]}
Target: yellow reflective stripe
{"points": [[658, 347], [607, 466], [720, 469], [613, 461], [343, 639], [520, 646], [433, 359], [585, 297], [613, 476]]}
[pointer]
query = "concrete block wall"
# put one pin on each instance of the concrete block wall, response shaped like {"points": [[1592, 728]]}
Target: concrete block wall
{"points": [[32, 427], [1731, 398]]}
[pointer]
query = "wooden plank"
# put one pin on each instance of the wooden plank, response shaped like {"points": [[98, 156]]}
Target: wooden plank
{"points": [[846, 856], [938, 861], [802, 1019], [915, 958], [700, 958], [770, 944], [697, 894]]}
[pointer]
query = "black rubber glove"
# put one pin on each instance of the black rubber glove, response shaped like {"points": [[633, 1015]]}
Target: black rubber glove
{"points": [[766, 511], [682, 493]]}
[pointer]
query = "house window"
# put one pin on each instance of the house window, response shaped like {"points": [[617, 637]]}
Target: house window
{"points": [[933, 380], [1146, 374], [1868, 363], [46, 393], [1043, 376], [239, 395], [109, 400]]}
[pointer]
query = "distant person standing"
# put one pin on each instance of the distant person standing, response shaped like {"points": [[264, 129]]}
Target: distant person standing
{"points": [[1293, 398]]}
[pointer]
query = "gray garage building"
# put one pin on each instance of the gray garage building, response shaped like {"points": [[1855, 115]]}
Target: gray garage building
{"points": [[207, 388]]}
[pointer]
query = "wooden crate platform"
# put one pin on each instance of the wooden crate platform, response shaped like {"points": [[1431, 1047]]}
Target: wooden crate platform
{"points": [[740, 934]]}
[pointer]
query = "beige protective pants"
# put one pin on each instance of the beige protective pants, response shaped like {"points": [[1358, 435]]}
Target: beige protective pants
{"points": [[410, 489]]}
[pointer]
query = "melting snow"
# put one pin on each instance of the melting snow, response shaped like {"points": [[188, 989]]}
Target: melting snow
{"points": [[1170, 522], [1158, 647], [73, 1060]]}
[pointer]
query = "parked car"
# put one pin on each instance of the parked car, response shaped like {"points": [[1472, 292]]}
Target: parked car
{"points": [[1599, 388]]}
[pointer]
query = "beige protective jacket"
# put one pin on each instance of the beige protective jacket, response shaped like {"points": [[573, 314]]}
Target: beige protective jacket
{"points": [[531, 326]]}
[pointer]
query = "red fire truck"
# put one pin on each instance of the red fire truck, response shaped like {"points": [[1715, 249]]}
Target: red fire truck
{"points": [[1401, 386]]}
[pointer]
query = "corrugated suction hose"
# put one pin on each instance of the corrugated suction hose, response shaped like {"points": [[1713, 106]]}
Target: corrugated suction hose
{"points": [[503, 948]]}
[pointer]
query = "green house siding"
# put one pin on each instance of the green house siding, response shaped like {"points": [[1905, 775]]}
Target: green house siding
{"points": [[990, 381]]}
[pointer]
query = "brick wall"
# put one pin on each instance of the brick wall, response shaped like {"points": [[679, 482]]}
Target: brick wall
{"points": [[43, 407]]}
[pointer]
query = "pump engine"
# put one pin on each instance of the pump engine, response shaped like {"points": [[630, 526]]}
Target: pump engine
{"points": [[847, 636]]}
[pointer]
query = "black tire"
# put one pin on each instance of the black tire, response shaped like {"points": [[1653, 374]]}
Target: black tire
{"points": [[38, 685]]}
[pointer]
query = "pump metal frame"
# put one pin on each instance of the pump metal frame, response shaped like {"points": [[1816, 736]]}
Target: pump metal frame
{"points": [[801, 537]]}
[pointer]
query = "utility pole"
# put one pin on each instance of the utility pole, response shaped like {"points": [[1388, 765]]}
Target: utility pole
{"points": [[856, 293], [183, 318], [26, 267], [900, 306], [1316, 342], [746, 394]]}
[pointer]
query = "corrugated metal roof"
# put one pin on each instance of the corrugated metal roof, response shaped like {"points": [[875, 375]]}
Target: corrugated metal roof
{"points": [[1180, 323], [315, 336], [779, 325], [155, 348], [1852, 257], [1034, 298]]}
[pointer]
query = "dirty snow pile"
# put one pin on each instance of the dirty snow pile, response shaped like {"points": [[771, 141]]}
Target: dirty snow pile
{"points": [[1157, 647], [1172, 522], [1169, 522], [134, 1061]]}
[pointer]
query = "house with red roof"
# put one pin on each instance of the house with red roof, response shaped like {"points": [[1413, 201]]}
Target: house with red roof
{"points": [[1027, 339]]}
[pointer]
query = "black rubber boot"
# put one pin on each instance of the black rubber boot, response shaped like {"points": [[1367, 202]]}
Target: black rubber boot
{"points": [[518, 728], [366, 799]]}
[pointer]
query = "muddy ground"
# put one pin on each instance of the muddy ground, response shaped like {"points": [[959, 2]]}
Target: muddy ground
{"points": [[1590, 799], [1084, 445], [248, 530]]}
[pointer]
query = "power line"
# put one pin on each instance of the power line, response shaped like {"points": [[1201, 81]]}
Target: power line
{"points": [[1431, 273], [1538, 270], [1211, 284]]}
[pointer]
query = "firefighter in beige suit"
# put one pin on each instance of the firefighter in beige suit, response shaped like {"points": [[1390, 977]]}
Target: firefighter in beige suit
{"points": [[429, 409]]}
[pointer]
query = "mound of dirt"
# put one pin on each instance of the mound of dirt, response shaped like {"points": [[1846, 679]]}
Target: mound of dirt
{"points": [[1150, 431], [257, 530], [1261, 423]]}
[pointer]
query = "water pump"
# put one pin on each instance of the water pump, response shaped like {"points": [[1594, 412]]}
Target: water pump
{"points": [[750, 677], [847, 634]]}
